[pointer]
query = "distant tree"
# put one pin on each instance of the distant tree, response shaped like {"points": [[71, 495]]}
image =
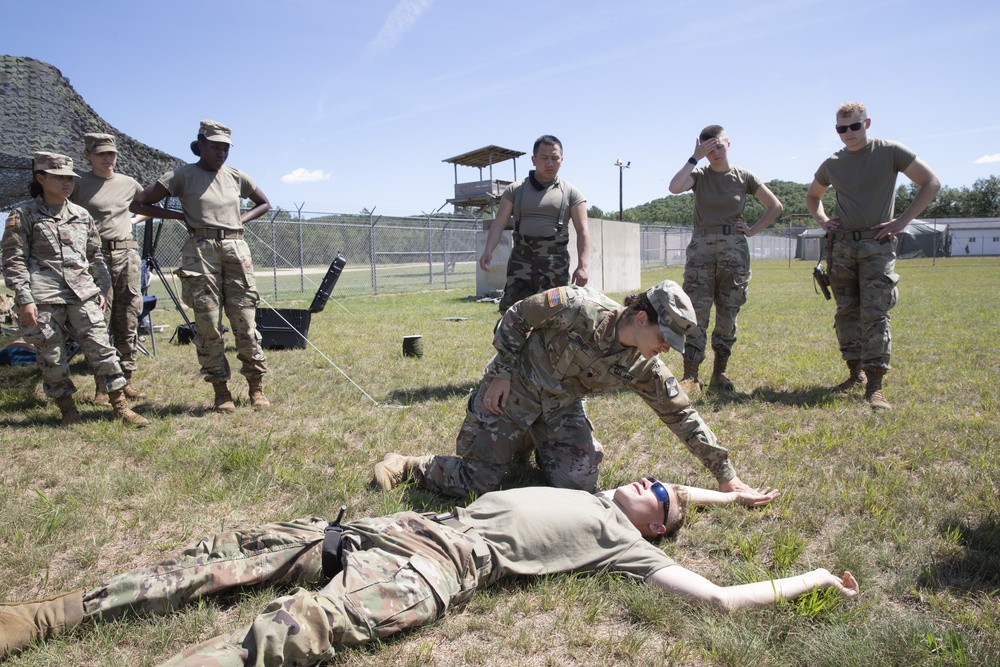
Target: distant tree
{"points": [[596, 213], [984, 198]]}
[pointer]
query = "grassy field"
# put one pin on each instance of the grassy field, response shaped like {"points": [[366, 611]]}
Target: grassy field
{"points": [[907, 500]]}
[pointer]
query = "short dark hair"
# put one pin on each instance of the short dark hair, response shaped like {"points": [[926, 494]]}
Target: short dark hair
{"points": [[547, 140], [711, 132], [640, 302], [35, 188], [195, 148]]}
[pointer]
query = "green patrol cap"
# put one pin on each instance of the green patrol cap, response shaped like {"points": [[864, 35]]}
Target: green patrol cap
{"points": [[674, 312], [215, 131], [95, 142], [54, 163]]}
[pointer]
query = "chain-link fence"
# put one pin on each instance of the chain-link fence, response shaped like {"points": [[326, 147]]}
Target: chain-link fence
{"points": [[384, 255], [392, 255], [665, 246]]}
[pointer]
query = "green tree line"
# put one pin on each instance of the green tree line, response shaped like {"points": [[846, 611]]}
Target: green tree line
{"points": [[981, 200]]}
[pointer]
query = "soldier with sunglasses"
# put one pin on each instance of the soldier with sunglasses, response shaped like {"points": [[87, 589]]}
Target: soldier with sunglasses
{"points": [[863, 238], [405, 570]]}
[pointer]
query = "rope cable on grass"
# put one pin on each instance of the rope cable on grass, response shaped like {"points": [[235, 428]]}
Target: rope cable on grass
{"points": [[331, 362]]}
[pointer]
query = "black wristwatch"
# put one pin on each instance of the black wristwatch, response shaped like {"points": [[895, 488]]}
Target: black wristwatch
{"points": [[692, 160]]}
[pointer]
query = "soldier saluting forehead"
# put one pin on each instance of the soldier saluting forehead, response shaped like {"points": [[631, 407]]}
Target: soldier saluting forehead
{"points": [[216, 268], [52, 260]]}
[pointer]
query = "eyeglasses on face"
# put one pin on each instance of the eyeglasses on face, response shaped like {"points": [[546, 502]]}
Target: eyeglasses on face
{"points": [[660, 492], [853, 127]]}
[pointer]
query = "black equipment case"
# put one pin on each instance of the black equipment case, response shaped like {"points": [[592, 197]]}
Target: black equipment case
{"points": [[288, 328]]}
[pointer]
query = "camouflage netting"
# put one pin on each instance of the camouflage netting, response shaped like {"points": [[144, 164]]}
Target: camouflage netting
{"points": [[40, 111]]}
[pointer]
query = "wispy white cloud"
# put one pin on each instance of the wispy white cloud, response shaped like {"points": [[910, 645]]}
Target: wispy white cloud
{"points": [[403, 17], [987, 159], [301, 175]]}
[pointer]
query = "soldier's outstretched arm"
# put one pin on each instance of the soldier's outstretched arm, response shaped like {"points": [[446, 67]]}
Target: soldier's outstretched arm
{"points": [[679, 580]]}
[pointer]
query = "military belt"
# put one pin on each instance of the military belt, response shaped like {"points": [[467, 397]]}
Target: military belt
{"points": [[855, 235], [481, 552], [715, 229], [127, 244], [562, 239], [220, 234]]}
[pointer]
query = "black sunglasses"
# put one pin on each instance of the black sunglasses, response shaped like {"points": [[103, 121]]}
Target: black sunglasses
{"points": [[661, 494], [853, 127]]}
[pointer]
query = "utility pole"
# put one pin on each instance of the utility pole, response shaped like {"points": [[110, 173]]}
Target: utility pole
{"points": [[622, 166]]}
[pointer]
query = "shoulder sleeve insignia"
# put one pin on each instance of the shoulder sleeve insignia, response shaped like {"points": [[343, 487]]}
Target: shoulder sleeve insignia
{"points": [[11, 219], [556, 297]]}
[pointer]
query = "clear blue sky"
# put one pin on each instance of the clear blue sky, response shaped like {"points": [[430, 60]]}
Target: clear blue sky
{"points": [[370, 96]]}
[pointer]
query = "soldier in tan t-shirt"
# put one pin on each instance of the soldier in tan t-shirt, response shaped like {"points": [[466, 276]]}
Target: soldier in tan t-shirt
{"points": [[383, 575], [107, 196], [216, 267], [863, 237], [540, 206], [717, 269]]}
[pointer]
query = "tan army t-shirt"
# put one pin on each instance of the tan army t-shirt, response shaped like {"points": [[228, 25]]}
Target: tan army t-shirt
{"points": [[209, 199], [865, 181], [107, 200], [720, 197], [540, 208], [539, 530]]}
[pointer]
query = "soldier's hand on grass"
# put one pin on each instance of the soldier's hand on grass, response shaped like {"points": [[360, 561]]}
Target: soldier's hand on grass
{"points": [[496, 394], [847, 585], [29, 314], [757, 497]]}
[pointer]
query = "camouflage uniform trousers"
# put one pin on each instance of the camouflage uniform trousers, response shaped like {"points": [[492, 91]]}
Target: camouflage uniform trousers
{"points": [[84, 321], [863, 281], [567, 451], [125, 299], [400, 571], [219, 274], [535, 265], [717, 272]]}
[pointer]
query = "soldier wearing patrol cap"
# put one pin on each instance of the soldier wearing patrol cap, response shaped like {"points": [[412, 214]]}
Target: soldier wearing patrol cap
{"points": [[107, 196], [216, 268], [553, 349], [52, 261]]}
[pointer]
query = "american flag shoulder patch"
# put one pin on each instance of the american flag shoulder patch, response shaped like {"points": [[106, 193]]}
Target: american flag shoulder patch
{"points": [[556, 297]]}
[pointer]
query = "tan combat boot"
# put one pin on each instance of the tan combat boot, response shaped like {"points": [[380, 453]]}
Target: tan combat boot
{"points": [[690, 380], [719, 379], [854, 380], [120, 405], [257, 397], [873, 390], [100, 393], [70, 415], [393, 469], [131, 392], [223, 399], [22, 623]]}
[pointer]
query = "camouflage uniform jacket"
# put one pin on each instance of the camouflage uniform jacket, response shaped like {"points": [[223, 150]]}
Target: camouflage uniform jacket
{"points": [[564, 342], [53, 255]]}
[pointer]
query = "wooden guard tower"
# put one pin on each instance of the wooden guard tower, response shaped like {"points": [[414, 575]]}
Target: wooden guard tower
{"points": [[479, 196]]}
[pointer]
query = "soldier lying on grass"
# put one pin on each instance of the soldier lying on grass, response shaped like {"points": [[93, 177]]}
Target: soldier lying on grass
{"points": [[405, 570]]}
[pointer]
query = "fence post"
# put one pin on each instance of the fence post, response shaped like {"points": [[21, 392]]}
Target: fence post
{"points": [[274, 255], [371, 247], [302, 256], [430, 254], [447, 246]]}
